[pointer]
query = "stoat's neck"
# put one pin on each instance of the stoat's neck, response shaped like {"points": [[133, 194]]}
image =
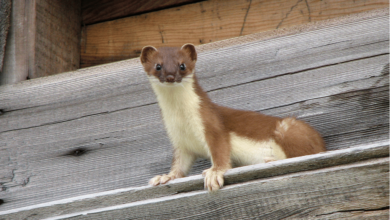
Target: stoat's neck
{"points": [[172, 96], [180, 107]]}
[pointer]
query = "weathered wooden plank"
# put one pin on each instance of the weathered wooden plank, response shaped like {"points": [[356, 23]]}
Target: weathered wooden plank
{"points": [[305, 195], [357, 214], [113, 155], [205, 22], [98, 129], [312, 194], [44, 39], [120, 156], [93, 11], [194, 183], [333, 45], [57, 37]]}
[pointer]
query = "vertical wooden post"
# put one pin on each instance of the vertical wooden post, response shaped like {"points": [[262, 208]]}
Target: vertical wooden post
{"points": [[5, 17], [15, 66], [43, 40]]}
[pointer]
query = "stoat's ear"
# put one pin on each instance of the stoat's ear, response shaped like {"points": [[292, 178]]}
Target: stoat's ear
{"points": [[146, 53], [190, 50]]}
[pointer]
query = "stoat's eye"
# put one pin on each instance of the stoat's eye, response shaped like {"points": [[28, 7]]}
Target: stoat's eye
{"points": [[182, 66], [158, 67]]}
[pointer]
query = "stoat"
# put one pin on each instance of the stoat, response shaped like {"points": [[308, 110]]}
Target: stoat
{"points": [[197, 127]]}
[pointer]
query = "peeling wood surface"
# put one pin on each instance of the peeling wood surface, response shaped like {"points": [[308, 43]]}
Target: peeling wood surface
{"points": [[99, 129], [206, 22], [194, 183], [93, 11]]}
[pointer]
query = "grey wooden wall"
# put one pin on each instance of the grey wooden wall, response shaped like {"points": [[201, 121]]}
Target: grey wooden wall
{"points": [[99, 128]]}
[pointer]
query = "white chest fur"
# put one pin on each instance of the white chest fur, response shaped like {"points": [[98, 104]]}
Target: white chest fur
{"points": [[180, 111]]}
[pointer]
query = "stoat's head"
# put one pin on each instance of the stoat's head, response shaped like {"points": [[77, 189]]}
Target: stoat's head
{"points": [[169, 65]]}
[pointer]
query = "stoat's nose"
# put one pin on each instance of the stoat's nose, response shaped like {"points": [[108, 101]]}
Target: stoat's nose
{"points": [[170, 79]]}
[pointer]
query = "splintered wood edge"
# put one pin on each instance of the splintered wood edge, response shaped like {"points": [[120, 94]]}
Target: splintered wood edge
{"points": [[135, 62], [195, 183]]}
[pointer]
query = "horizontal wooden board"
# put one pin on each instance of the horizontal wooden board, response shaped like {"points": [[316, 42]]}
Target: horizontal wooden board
{"points": [[99, 128], [361, 186], [281, 56], [93, 11], [205, 22], [238, 175], [313, 194]]}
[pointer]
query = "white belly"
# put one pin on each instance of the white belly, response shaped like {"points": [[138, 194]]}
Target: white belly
{"points": [[246, 151]]}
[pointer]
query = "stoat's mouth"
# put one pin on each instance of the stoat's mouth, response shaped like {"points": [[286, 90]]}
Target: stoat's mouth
{"points": [[165, 84], [184, 80], [171, 84]]}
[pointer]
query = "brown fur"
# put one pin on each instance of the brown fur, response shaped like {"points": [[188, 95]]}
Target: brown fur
{"points": [[295, 137], [216, 133]]}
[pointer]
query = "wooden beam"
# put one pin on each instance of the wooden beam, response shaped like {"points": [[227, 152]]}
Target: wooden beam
{"points": [[43, 40], [317, 194], [93, 11], [5, 17], [318, 165], [18, 57], [57, 37], [99, 129], [206, 22]]}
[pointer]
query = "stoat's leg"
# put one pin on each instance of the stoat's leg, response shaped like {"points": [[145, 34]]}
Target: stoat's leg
{"points": [[220, 157], [181, 164]]}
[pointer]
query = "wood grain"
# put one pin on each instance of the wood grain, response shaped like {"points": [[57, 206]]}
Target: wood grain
{"points": [[194, 183], [93, 11], [5, 17], [43, 40], [99, 129], [205, 22], [57, 37], [361, 186], [18, 51]]}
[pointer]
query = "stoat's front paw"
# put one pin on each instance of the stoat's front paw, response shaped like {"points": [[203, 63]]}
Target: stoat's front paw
{"points": [[269, 159], [161, 179], [213, 179]]}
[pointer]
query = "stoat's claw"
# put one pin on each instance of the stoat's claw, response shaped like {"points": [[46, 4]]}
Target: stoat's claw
{"points": [[155, 180], [161, 179], [213, 179]]}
